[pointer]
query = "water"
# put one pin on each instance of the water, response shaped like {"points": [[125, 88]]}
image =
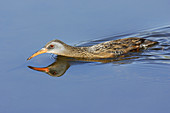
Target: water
{"points": [[136, 84]]}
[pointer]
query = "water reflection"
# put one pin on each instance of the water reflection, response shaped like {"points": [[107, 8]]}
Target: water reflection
{"points": [[56, 69], [61, 64]]}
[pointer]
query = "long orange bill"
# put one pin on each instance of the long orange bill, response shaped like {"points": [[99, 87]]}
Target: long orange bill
{"points": [[43, 50], [45, 69]]}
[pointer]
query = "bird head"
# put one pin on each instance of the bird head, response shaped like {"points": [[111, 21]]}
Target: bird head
{"points": [[54, 46]]}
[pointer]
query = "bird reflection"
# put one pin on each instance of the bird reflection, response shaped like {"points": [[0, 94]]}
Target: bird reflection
{"points": [[56, 69], [61, 64]]}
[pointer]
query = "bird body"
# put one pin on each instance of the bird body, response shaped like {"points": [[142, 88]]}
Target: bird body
{"points": [[107, 49]]}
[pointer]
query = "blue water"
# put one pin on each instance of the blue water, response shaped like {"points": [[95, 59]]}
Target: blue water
{"points": [[139, 85]]}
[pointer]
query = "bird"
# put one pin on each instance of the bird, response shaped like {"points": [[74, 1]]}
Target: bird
{"points": [[108, 49]]}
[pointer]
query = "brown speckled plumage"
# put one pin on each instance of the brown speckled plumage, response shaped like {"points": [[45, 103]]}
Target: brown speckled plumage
{"points": [[108, 49]]}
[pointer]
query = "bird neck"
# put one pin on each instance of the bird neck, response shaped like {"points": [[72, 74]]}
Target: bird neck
{"points": [[81, 52]]}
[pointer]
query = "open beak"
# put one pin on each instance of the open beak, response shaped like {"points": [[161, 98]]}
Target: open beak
{"points": [[45, 69], [43, 50]]}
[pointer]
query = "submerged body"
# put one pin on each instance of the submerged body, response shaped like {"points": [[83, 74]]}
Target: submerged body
{"points": [[107, 49]]}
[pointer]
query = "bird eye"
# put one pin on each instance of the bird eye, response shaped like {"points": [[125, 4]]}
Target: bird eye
{"points": [[52, 46], [54, 73]]}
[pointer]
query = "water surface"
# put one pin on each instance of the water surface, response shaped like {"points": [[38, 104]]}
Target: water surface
{"points": [[140, 84]]}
